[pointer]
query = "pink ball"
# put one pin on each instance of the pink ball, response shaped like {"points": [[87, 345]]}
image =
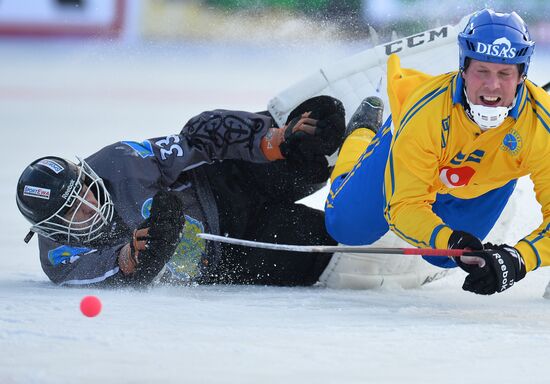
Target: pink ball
{"points": [[90, 306]]}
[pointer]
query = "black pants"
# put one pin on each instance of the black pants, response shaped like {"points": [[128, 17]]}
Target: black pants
{"points": [[257, 202]]}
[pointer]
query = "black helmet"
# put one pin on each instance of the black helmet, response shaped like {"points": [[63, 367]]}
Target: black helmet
{"points": [[44, 186], [49, 187]]}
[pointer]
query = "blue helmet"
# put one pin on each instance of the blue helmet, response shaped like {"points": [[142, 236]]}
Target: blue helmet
{"points": [[497, 38]]}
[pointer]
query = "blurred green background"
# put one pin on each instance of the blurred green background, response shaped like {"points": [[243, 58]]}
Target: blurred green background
{"points": [[402, 15]]}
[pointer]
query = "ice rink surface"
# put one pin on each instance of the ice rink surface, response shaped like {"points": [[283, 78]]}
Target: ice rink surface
{"points": [[72, 98]]}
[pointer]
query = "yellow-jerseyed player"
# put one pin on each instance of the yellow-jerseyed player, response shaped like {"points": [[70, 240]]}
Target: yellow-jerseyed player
{"points": [[439, 172]]}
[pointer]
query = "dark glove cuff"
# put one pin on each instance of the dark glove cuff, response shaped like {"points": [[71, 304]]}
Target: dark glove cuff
{"points": [[464, 240], [521, 270]]}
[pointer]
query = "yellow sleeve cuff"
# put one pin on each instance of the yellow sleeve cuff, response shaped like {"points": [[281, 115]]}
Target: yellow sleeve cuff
{"points": [[528, 253], [442, 239]]}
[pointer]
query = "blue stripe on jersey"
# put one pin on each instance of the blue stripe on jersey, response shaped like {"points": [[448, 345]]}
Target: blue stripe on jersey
{"points": [[527, 101], [143, 149], [332, 195], [453, 86], [444, 131], [542, 107], [66, 254], [411, 240], [385, 128], [392, 176], [457, 92], [411, 109], [514, 112], [418, 106], [541, 234], [539, 262], [434, 234], [540, 117], [542, 121]]}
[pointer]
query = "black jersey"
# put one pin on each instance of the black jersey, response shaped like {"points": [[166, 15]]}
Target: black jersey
{"points": [[134, 171]]}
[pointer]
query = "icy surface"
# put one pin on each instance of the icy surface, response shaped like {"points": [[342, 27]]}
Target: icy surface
{"points": [[68, 100]]}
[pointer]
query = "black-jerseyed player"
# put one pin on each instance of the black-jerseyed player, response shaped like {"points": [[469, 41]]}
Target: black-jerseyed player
{"points": [[128, 214]]}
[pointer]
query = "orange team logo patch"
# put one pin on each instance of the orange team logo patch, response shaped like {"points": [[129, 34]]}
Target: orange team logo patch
{"points": [[456, 177]]}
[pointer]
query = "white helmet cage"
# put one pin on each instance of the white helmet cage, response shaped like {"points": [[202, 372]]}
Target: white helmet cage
{"points": [[62, 225]]}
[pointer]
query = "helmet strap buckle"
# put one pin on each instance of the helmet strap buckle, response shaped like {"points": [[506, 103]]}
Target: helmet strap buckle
{"points": [[28, 237]]}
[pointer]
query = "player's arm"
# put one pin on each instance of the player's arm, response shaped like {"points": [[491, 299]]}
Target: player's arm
{"points": [[503, 265], [209, 137], [315, 128], [136, 260], [79, 266], [223, 134], [535, 248], [106, 267], [498, 267], [411, 183], [155, 241]]}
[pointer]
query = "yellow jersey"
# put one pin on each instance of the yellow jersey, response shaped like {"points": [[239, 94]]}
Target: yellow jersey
{"points": [[437, 148]]}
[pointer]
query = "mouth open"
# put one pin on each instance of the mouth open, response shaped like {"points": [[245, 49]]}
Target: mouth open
{"points": [[490, 101]]}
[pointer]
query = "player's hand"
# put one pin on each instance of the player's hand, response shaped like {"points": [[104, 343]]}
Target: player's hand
{"points": [[128, 257], [154, 243], [465, 240], [316, 127], [275, 144], [502, 267]]}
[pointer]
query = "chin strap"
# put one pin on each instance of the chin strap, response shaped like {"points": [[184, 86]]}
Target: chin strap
{"points": [[28, 237], [487, 117]]}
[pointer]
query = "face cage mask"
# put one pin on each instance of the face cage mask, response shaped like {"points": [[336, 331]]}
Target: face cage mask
{"points": [[59, 226], [487, 117]]}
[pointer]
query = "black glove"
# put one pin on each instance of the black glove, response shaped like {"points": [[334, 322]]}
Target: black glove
{"points": [[165, 229], [314, 128], [464, 240], [328, 135], [502, 267]]}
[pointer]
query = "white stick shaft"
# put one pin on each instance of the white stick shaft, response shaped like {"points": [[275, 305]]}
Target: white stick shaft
{"points": [[332, 248]]}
